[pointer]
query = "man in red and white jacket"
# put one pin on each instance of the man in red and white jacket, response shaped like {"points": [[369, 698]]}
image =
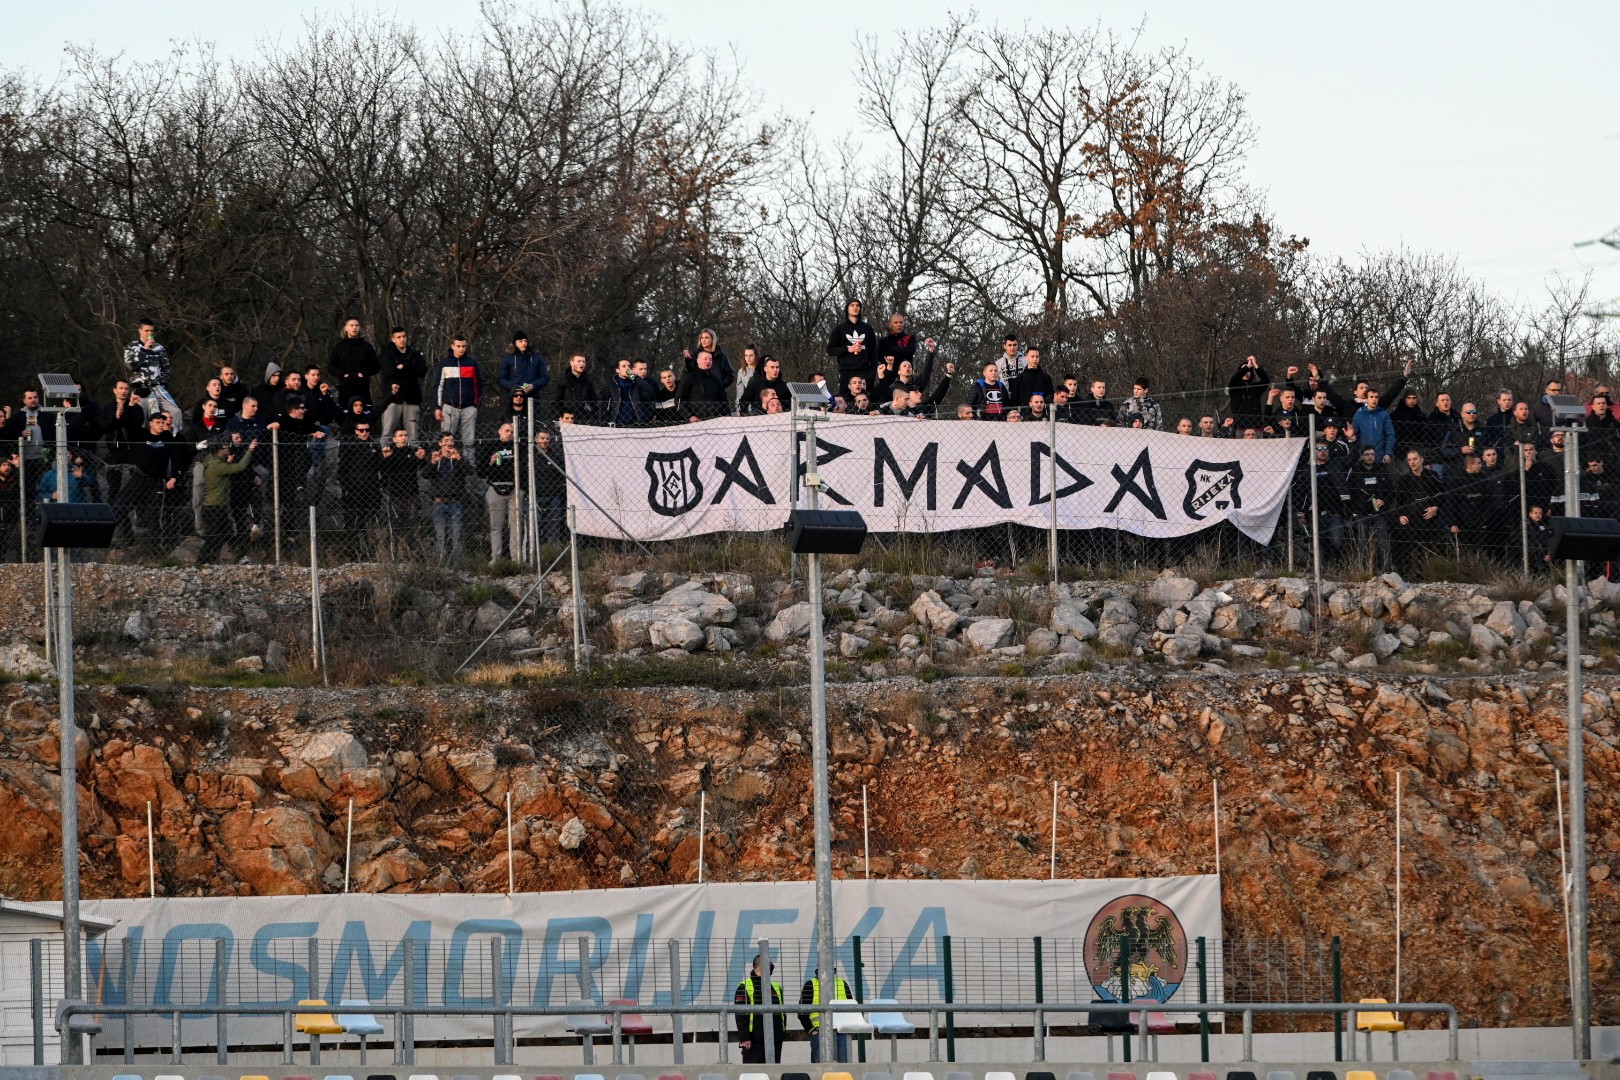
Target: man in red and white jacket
{"points": [[456, 399]]}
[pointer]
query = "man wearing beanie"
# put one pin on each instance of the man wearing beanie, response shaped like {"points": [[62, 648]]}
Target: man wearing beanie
{"points": [[523, 370]]}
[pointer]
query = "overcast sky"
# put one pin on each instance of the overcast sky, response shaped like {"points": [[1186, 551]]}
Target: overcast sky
{"points": [[1490, 130]]}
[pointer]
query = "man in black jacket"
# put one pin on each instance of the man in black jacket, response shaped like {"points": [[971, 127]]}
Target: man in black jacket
{"points": [[446, 472], [123, 425], [359, 474], [500, 469], [353, 363], [701, 392], [1246, 391], [852, 343], [901, 344], [576, 392], [1420, 519], [1096, 410], [1032, 380], [770, 378], [401, 494], [1332, 498], [1372, 492], [403, 369]]}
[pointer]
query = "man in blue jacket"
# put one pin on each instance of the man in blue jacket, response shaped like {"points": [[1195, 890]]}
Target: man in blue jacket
{"points": [[456, 402], [1374, 428], [522, 369]]}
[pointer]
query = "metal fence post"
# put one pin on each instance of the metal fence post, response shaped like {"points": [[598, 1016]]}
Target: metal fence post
{"points": [[579, 600], [128, 945], [406, 1035], [1040, 998], [221, 1037], [275, 488], [1292, 476], [22, 502], [1248, 1034], [317, 635], [1125, 984], [1524, 520], [677, 1037], [1338, 997], [1052, 540], [950, 996], [767, 992], [497, 981], [36, 995], [1316, 524], [860, 992], [50, 605], [1203, 995], [534, 505], [314, 950]]}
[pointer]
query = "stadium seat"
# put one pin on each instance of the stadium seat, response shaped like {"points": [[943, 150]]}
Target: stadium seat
{"points": [[875, 1076], [887, 1020], [1121, 1076], [1400, 1074], [1040, 1076], [1380, 1020], [994, 1075], [1080, 1076], [316, 1024], [753, 1076], [852, 1023], [1328, 1074], [1241, 1074], [1281, 1074], [587, 1023], [631, 1076], [958, 1076], [1441, 1074], [671, 1076], [128, 1076], [1161, 1076], [431, 1076], [630, 1025], [381, 1076], [1201, 1076], [463, 1076], [918, 1076], [1158, 1023], [506, 1076], [1360, 1074], [824, 1076], [361, 1024]]}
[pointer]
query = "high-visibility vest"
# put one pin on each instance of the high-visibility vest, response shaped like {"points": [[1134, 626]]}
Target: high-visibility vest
{"points": [[840, 993], [748, 988]]}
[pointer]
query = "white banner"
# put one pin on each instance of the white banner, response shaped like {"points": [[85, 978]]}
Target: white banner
{"points": [[902, 926], [910, 475]]}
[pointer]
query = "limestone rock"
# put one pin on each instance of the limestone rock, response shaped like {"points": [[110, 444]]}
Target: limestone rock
{"points": [[22, 662], [1385, 645], [1506, 621], [676, 632], [851, 646], [1170, 590], [987, 634], [791, 622], [1041, 642], [1069, 619], [137, 627], [935, 614], [571, 835], [1484, 639]]}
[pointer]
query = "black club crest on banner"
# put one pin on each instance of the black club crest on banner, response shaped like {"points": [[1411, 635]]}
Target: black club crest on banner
{"points": [[673, 485], [1212, 485]]}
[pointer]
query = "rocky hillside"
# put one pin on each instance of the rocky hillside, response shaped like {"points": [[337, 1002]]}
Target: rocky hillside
{"points": [[251, 787]]}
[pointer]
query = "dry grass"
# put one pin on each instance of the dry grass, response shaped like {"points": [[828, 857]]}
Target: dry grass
{"points": [[502, 673]]}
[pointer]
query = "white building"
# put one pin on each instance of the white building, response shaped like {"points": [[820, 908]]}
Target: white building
{"points": [[20, 923]]}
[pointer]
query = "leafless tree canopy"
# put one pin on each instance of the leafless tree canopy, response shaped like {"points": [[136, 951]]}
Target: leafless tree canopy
{"points": [[572, 171]]}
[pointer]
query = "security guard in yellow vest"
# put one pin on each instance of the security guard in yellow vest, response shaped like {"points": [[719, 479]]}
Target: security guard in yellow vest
{"points": [[750, 1032], [811, 995]]}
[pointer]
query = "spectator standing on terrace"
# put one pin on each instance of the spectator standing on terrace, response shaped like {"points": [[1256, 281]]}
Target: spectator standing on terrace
{"points": [[398, 469], [852, 343], [1541, 411], [269, 391], [625, 406], [702, 392], [1501, 416], [1374, 428], [662, 397], [1246, 391], [353, 363], [219, 470], [709, 342], [746, 376], [1141, 406], [498, 470], [1466, 438], [751, 1026], [1096, 410], [403, 369], [1282, 419], [1372, 491], [1419, 501], [1522, 429], [811, 994], [770, 378], [147, 364], [233, 389], [576, 392], [359, 472], [900, 344], [550, 487], [1032, 380], [446, 472], [1010, 364], [26, 425], [458, 393], [989, 397], [523, 369], [123, 425]]}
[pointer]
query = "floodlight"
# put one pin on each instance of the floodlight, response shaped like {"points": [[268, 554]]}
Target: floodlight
{"points": [[1584, 539], [826, 532], [74, 525], [1568, 411], [809, 395], [63, 390]]}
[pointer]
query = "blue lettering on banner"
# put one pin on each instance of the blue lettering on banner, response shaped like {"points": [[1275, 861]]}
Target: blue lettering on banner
{"points": [[172, 941], [698, 959], [296, 973], [95, 951], [743, 945], [909, 966], [638, 957], [455, 967], [553, 963], [354, 950]]}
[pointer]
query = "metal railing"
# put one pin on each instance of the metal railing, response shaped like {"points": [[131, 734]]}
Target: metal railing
{"points": [[503, 1018]]}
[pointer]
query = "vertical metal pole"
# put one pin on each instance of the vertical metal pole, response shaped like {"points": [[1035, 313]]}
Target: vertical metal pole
{"points": [[129, 995], [151, 855], [767, 996], [1203, 995], [677, 1037], [1581, 991], [406, 1036], [860, 991], [314, 952], [1125, 984], [275, 487], [866, 835], [348, 848], [317, 639], [497, 983], [819, 764], [579, 601], [1051, 869], [1215, 815], [36, 995], [72, 989], [1052, 538], [1316, 521], [1397, 885], [511, 874], [1338, 996], [1294, 473], [517, 515], [22, 505], [703, 828], [1248, 1034], [1563, 884], [950, 996], [534, 505], [1524, 518], [221, 1036], [1040, 998], [50, 605]]}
